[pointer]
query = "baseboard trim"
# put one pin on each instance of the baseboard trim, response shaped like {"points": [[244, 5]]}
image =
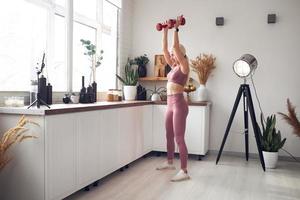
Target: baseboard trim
{"points": [[251, 155]]}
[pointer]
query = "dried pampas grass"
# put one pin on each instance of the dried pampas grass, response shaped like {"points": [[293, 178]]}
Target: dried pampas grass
{"points": [[11, 137], [291, 118], [203, 65]]}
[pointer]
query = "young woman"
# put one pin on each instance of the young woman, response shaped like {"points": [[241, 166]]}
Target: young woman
{"points": [[177, 107]]}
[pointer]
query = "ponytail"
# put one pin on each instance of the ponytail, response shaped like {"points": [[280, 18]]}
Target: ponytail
{"points": [[188, 75]]}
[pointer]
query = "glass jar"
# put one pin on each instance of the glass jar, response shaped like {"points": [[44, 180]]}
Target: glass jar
{"points": [[120, 95], [115, 95], [110, 95]]}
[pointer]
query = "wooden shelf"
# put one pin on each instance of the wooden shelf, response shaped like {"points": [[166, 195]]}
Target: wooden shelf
{"points": [[153, 79]]}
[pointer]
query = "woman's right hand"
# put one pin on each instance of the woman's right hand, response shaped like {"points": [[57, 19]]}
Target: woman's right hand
{"points": [[167, 27]]}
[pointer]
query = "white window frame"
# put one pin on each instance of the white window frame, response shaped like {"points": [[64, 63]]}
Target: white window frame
{"points": [[96, 24], [70, 16]]}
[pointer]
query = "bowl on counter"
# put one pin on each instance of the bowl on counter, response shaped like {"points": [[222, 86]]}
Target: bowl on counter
{"points": [[74, 98]]}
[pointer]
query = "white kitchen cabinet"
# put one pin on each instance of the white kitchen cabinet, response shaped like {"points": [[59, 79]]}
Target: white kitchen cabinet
{"points": [[128, 140], [75, 149], [88, 147], [159, 131], [61, 165], [147, 126], [197, 129], [139, 131], [135, 127], [110, 141]]}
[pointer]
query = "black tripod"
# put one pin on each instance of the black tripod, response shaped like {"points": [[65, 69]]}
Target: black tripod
{"points": [[248, 104], [38, 100]]}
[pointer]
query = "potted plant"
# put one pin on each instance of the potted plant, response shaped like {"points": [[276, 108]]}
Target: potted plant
{"points": [[142, 61], [271, 141], [157, 94], [203, 65], [129, 81], [95, 59]]}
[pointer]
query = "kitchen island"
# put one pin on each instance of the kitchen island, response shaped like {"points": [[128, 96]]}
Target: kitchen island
{"points": [[79, 144]]}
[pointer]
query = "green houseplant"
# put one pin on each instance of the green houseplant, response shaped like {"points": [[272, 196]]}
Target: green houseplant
{"points": [[142, 61], [95, 59], [129, 81], [270, 140]]}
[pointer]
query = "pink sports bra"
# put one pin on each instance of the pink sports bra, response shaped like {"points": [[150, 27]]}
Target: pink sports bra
{"points": [[177, 76]]}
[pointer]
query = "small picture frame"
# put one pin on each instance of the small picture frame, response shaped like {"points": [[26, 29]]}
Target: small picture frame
{"points": [[159, 66], [159, 59]]}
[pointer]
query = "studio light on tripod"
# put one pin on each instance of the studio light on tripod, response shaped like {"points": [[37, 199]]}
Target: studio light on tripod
{"points": [[245, 65]]}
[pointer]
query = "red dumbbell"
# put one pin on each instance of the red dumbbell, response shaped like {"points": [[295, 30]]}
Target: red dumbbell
{"points": [[170, 24], [160, 26]]}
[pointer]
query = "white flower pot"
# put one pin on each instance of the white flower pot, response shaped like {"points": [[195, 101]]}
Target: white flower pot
{"points": [[155, 97], [129, 92], [75, 99], [270, 159], [202, 93]]}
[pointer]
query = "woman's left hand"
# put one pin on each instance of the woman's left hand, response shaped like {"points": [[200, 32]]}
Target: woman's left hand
{"points": [[177, 24]]}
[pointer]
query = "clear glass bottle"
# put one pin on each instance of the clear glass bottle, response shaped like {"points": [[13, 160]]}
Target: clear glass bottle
{"points": [[33, 91]]}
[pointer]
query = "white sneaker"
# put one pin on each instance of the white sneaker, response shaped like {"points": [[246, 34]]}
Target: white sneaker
{"points": [[180, 176], [165, 165]]}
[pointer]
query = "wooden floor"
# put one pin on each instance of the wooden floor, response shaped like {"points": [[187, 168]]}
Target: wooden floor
{"points": [[232, 179]]}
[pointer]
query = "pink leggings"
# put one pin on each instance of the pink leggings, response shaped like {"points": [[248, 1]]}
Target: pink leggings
{"points": [[176, 114]]}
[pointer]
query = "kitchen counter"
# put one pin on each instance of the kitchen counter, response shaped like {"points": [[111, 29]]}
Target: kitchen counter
{"points": [[70, 108], [87, 142]]}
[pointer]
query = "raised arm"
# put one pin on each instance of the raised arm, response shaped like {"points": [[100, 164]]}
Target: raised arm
{"points": [[176, 47], [165, 47]]}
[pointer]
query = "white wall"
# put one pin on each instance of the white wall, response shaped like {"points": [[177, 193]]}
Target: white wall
{"points": [[276, 46], [125, 41]]}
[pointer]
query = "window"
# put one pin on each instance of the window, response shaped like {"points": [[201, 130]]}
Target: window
{"points": [[81, 63], [31, 27], [85, 27], [23, 36], [57, 68], [110, 46], [86, 8]]}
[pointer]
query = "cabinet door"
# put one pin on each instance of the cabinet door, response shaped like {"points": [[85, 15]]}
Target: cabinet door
{"points": [[147, 124], [60, 155], [110, 141], [159, 131], [88, 151], [195, 130], [128, 140], [139, 130]]}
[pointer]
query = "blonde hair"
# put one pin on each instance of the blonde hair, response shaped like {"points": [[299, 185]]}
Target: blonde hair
{"points": [[183, 51], [181, 48], [188, 75]]}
